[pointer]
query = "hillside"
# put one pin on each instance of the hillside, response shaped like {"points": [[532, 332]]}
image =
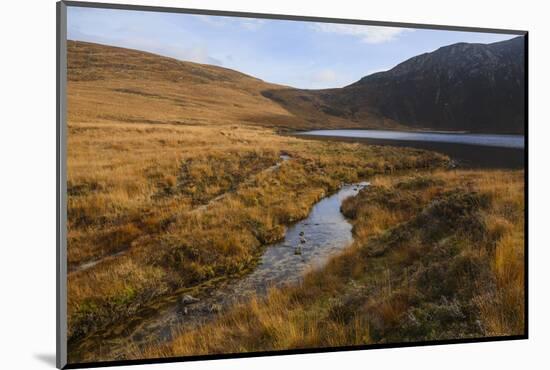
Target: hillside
{"points": [[138, 87], [174, 188], [473, 87]]}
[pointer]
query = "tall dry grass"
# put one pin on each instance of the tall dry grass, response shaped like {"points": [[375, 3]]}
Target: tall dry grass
{"points": [[159, 203], [170, 186], [416, 276], [170, 180]]}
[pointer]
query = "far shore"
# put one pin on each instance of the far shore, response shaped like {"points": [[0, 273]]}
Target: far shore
{"points": [[407, 129], [465, 155]]}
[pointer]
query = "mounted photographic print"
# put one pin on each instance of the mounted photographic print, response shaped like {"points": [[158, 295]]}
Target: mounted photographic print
{"points": [[234, 184]]}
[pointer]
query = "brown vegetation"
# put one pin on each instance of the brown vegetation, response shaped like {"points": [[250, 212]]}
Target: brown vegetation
{"points": [[175, 180], [437, 256], [110, 84], [156, 204]]}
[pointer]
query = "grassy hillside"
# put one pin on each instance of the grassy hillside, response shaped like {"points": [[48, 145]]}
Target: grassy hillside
{"points": [[458, 87], [436, 256], [329, 108], [174, 182], [138, 87]]}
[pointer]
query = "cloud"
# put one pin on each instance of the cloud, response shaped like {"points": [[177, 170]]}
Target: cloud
{"points": [[252, 24], [367, 34], [324, 76], [197, 54], [212, 20], [249, 24]]}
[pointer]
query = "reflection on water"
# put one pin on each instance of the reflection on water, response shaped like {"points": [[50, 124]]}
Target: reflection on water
{"points": [[502, 141], [467, 150], [307, 244]]}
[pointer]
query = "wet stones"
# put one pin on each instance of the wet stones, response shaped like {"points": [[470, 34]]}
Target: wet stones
{"points": [[303, 240]]}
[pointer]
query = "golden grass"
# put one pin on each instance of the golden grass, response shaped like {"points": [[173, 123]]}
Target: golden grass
{"points": [[166, 167], [172, 164], [149, 203], [138, 87], [369, 293]]}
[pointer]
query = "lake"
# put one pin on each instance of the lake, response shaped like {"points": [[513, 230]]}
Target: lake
{"points": [[469, 150]]}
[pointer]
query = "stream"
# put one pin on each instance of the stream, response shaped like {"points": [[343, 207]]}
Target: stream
{"points": [[307, 245]]}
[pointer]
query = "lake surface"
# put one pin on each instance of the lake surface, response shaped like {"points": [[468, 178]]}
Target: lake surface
{"points": [[502, 141], [307, 245], [469, 150]]}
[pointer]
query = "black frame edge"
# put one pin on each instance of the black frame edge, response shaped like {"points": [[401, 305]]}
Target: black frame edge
{"points": [[302, 351]]}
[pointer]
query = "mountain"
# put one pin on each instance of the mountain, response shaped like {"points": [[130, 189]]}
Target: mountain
{"points": [[113, 84], [473, 87], [107, 83]]}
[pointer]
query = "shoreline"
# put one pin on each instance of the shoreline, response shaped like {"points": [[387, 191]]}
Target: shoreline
{"points": [[466, 155], [405, 129]]}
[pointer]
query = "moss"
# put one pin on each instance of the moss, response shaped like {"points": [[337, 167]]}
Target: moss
{"points": [[445, 319], [126, 296]]}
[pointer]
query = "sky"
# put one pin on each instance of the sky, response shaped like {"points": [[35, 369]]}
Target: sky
{"points": [[307, 55]]}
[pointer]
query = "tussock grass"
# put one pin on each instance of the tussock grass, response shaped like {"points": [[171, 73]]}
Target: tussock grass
{"points": [[166, 166], [149, 204], [173, 164], [447, 264]]}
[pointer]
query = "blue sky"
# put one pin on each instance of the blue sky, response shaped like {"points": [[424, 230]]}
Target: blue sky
{"points": [[300, 54]]}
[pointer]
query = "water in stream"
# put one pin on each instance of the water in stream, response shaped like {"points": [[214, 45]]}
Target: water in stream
{"points": [[307, 244]]}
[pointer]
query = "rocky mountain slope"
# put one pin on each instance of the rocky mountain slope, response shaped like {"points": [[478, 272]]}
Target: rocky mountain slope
{"points": [[473, 87]]}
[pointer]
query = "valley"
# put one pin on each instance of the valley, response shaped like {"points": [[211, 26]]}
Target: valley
{"points": [[187, 196]]}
